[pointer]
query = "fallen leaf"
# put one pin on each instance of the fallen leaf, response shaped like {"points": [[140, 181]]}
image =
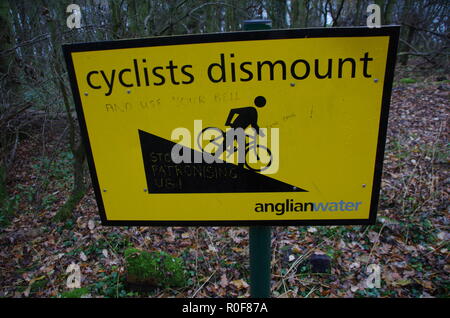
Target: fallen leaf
{"points": [[212, 248], [312, 229], [427, 284], [342, 244], [354, 265], [26, 293], [373, 236], [170, 237], [223, 281], [402, 282], [442, 235], [185, 243], [410, 273], [391, 278], [83, 257], [240, 284]]}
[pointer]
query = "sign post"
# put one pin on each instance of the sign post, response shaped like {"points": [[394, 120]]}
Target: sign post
{"points": [[260, 257], [260, 236]]}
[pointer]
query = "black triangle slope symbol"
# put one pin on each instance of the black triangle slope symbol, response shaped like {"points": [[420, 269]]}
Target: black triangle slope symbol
{"points": [[164, 176]]}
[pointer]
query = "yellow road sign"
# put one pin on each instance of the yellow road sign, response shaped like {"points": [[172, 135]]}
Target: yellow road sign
{"points": [[269, 127]]}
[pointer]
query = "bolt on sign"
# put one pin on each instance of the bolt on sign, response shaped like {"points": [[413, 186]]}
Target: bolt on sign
{"points": [[265, 127]]}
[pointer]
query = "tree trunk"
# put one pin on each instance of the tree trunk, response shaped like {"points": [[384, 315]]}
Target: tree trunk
{"points": [[295, 13], [303, 7], [407, 33], [277, 13], [9, 83], [231, 21], [79, 187], [116, 20], [406, 48], [336, 16], [132, 18], [388, 12], [357, 16]]}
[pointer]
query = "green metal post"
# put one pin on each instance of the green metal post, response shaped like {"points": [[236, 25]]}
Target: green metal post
{"points": [[260, 257], [260, 236]]}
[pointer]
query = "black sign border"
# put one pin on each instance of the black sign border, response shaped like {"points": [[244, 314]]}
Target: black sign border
{"points": [[391, 31]]}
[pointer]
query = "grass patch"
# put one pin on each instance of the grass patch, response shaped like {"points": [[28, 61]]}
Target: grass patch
{"points": [[75, 293], [407, 80]]}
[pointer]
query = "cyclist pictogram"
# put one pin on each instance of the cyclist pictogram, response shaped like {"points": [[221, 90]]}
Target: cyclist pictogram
{"points": [[215, 141]]}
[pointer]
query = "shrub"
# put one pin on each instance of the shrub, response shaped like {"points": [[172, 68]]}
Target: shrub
{"points": [[154, 269]]}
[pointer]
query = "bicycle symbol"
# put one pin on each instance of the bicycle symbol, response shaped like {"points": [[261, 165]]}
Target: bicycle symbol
{"points": [[212, 140], [257, 157]]}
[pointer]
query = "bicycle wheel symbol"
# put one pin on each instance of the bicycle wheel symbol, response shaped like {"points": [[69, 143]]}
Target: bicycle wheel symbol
{"points": [[211, 140], [257, 157]]}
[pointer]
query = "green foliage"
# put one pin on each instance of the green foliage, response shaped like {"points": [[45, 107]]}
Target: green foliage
{"points": [[110, 285], [3, 195], [7, 204], [115, 241], [75, 293], [398, 148], [7, 208], [442, 153], [39, 285], [54, 174], [368, 292], [118, 242], [26, 193], [57, 171], [63, 172], [3, 192], [407, 80], [66, 210], [154, 269]]}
